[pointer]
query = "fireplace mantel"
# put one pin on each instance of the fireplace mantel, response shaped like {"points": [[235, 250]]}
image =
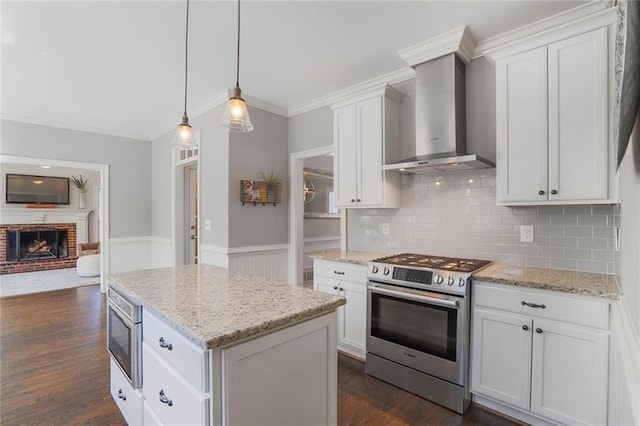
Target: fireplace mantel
{"points": [[23, 216]]}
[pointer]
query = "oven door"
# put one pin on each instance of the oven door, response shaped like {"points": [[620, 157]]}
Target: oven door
{"points": [[124, 344], [419, 329]]}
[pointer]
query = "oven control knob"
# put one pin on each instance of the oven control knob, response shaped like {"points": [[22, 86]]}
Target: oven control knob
{"points": [[385, 271], [450, 281], [461, 282], [374, 269], [438, 279]]}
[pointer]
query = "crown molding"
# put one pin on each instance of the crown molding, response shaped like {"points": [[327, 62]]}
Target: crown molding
{"points": [[458, 40], [546, 24], [71, 126], [365, 86]]}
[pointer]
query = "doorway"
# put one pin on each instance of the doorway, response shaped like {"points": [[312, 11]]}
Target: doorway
{"points": [[191, 219], [186, 205], [297, 238]]}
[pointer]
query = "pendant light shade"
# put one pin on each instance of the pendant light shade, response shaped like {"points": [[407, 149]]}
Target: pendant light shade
{"points": [[236, 116], [184, 134]]}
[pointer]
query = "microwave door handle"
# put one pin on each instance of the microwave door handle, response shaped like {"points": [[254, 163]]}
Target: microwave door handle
{"points": [[415, 297]]}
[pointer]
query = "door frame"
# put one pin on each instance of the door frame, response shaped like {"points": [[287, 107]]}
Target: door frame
{"points": [[103, 209], [296, 212]]}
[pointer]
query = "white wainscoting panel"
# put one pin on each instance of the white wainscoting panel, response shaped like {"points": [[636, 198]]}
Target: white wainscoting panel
{"points": [[130, 254], [161, 252], [269, 261], [213, 255], [625, 377]]}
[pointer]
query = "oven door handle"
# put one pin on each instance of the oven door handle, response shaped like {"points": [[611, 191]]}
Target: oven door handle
{"points": [[415, 297]]}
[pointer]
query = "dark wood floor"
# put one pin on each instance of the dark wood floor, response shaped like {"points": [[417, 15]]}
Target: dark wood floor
{"points": [[54, 370]]}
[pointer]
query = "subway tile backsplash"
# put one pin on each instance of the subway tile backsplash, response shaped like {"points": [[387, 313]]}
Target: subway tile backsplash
{"points": [[455, 214]]}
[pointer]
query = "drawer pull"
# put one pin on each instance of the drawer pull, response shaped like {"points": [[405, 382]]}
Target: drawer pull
{"points": [[164, 344], [338, 272], [532, 305], [525, 327], [121, 395], [164, 399]]}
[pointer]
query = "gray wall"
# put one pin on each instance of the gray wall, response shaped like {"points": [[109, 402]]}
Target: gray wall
{"points": [[313, 129], [263, 150], [129, 163], [630, 225]]}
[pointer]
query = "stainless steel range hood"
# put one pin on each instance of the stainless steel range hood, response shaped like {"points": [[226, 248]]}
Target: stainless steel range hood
{"points": [[440, 109]]}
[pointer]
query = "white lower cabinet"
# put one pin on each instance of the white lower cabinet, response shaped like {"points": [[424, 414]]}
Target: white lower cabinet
{"points": [[533, 356], [350, 281], [128, 400]]}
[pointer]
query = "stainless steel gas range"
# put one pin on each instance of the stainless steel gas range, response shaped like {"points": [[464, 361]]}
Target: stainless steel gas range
{"points": [[418, 311]]}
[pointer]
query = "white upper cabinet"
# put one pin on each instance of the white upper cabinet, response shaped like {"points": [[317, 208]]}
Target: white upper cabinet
{"points": [[366, 136], [552, 113]]}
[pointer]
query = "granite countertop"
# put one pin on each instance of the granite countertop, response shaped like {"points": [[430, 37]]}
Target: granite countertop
{"points": [[214, 307], [587, 283], [349, 256]]}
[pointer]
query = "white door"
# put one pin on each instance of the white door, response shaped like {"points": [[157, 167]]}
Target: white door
{"points": [[501, 357], [578, 133], [345, 166], [191, 215], [569, 373], [521, 129], [370, 152]]}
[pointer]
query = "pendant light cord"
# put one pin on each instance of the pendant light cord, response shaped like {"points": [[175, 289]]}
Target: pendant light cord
{"points": [[238, 52], [186, 58]]}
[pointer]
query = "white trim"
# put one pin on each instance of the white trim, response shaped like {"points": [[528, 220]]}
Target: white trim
{"points": [[627, 341], [296, 211], [537, 27], [321, 239], [71, 126], [213, 255], [231, 251], [130, 240], [393, 77], [569, 29], [103, 212], [458, 40]]}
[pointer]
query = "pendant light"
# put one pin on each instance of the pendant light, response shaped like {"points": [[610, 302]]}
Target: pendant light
{"points": [[236, 116], [184, 134]]}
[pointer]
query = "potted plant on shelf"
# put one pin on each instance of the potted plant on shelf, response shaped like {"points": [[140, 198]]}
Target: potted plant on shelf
{"points": [[81, 184]]}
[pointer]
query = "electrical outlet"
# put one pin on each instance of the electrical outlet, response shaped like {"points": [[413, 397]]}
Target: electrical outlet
{"points": [[526, 233], [385, 228], [616, 238], [207, 224]]}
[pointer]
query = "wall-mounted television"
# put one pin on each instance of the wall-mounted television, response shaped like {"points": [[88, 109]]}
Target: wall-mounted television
{"points": [[28, 189]]}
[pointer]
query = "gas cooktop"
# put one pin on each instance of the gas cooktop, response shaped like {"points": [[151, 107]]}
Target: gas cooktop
{"points": [[434, 262]]}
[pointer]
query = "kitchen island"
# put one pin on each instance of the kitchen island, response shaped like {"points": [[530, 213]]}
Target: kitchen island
{"points": [[220, 347]]}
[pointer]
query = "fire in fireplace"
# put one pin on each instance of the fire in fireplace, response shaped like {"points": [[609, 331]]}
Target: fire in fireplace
{"points": [[36, 244]]}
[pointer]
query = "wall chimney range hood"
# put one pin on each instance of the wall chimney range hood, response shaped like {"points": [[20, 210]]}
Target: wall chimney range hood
{"points": [[440, 106]]}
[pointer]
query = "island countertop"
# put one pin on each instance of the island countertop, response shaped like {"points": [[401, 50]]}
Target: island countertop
{"points": [[215, 307]]}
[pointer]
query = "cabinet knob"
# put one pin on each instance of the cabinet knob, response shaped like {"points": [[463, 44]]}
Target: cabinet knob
{"points": [[353, 200], [525, 327], [541, 192], [358, 200], [335, 287], [554, 192], [164, 344], [539, 330]]}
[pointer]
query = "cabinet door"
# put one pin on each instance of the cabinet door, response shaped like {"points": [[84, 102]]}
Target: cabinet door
{"points": [[345, 146], [521, 127], [578, 133], [569, 373], [370, 152], [501, 357], [352, 328]]}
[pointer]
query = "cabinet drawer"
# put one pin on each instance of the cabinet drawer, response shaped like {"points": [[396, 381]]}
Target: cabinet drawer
{"points": [[149, 416], [128, 400], [340, 271], [575, 309], [182, 404], [189, 359]]}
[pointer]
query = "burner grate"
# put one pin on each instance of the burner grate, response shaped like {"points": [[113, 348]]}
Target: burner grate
{"points": [[436, 262]]}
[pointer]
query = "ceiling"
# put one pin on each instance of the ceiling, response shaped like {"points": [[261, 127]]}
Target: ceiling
{"points": [[117, 67]]}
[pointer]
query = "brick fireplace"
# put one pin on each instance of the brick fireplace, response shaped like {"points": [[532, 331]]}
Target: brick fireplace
{"points": [[37, 247], [48, 238]]}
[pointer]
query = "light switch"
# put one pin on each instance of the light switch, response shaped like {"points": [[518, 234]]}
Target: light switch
{"points": [[207, 224]]}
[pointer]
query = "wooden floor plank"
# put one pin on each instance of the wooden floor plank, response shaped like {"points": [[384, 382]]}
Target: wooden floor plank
{"points": [[54, 370]]}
